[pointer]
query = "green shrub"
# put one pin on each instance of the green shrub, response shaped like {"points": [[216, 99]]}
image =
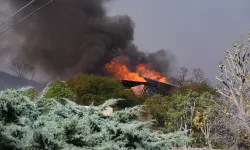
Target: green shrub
{"points": [[31, 93], [25, 126], [155, 107], [179, 108], [96, 89], [59, 90]]}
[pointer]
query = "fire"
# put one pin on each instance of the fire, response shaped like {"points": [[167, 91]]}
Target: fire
{"points": [[149, 73], [120, 71]]}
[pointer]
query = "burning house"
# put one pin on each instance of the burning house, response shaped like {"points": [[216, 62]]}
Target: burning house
{"points": [[150, 87], [142, 80]]}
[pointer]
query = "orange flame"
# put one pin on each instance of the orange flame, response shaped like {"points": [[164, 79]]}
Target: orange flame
{"points": [[120, 71], [150, 73]]}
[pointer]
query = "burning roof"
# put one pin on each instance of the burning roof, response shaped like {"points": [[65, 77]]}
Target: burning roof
{"points": [[142, 79], [150, 87], [119, 69]]}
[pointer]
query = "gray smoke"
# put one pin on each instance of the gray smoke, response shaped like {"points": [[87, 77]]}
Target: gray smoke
{"points": [[71, 36]]}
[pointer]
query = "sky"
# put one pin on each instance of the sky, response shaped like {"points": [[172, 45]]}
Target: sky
{"points": [[196, 31]]}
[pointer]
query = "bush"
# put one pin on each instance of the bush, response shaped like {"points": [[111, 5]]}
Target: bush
{"points": [[95, 89], [59, 90], [155, 107], [31, 93], [180, 108], [25, 126], [196, 110], [196, 87]]}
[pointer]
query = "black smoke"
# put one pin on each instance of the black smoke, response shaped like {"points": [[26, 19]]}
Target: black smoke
{"points": [[72, 36]]}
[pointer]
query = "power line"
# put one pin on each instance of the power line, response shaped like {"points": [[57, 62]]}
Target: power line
{"points": [[26, 17], [17, 12]]}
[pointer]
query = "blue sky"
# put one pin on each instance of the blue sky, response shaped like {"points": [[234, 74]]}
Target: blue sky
{"points": [[195, 31]]}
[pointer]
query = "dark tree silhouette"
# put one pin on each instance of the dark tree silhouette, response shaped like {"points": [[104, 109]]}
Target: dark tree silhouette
{"points": [[21, 68]]}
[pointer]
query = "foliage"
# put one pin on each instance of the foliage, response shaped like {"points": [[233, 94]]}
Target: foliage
{"points": [[25, 126], [196, 87], [181, 104], [155, 107], [243, 140], [233, 80], [130, 99], [181, 78], [31, 93], [193, 106], [96, 89], [197, 111], [234, 85], [59, 90]]}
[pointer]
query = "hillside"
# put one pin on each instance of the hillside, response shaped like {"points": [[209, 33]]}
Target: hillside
{"points": [[10, 81]]}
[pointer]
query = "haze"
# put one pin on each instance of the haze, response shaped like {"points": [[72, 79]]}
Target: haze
{"points": [[196, 32]]}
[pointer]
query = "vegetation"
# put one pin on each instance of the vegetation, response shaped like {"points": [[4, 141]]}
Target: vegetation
{"points": [[195, 114], [215, 118], [187, 110], [60, 91], [21, 68], [90, 89], [233, 84], [31, 93], [25, 126]]}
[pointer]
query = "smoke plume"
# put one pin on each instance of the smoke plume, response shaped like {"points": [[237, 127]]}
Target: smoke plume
{"points": [[72, 36]]}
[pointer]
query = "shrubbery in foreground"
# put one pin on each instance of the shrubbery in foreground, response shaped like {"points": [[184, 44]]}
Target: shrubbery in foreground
{"points": [[47, 124]]}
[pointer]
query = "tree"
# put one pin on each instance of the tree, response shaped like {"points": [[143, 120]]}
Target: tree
{"points": [[154, 106], [96, 89], [198, 76], [207, 117], [199, 112], [179, 111], [181, 79], [234, 82], [25, 126], [21, 68]]}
